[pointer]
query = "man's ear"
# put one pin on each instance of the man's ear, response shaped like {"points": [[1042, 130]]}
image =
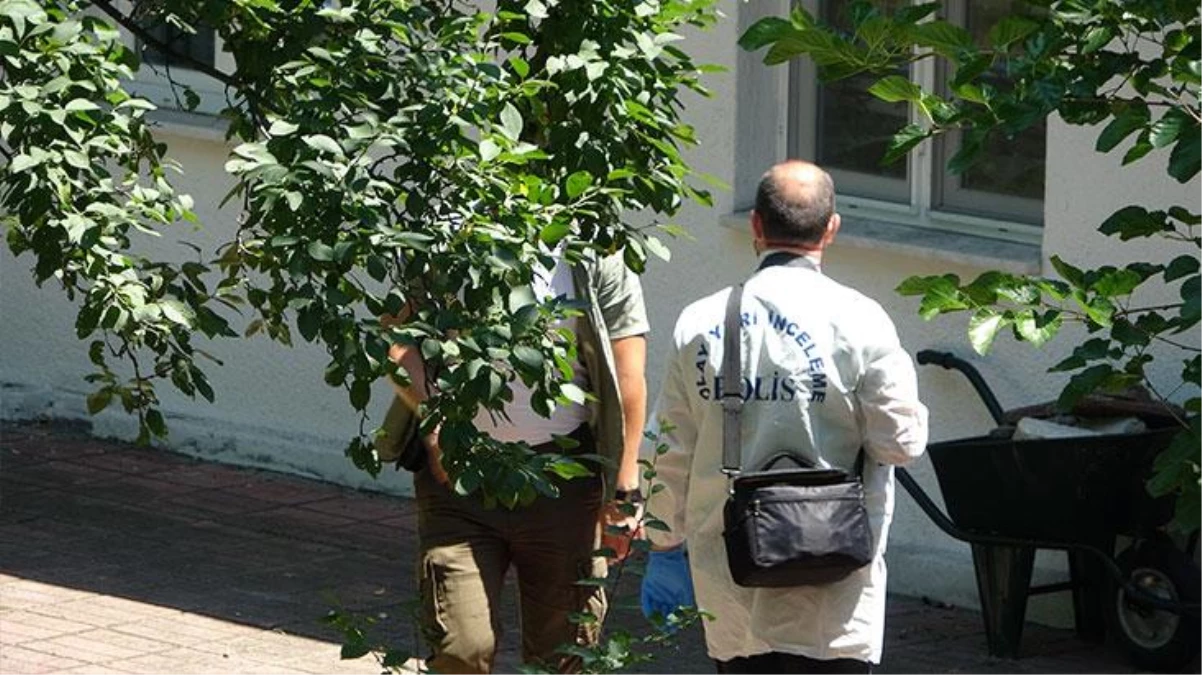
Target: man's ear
{"points": [[832, 228], [757, 225]]}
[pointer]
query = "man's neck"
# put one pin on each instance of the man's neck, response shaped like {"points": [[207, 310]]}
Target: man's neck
{"points": [[814, 254]]}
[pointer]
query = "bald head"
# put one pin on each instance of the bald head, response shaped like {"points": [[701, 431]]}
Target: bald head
{"points": [[795, 201]]}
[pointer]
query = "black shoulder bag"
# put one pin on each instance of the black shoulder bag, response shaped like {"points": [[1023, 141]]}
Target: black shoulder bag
{"points": [[785, 527]]}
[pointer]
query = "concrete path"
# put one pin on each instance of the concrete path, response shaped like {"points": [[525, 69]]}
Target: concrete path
{"points": [[118, 559]]}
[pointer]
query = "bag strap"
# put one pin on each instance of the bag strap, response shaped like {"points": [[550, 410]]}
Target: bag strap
{"points": [[732, 372], [732, 380]]}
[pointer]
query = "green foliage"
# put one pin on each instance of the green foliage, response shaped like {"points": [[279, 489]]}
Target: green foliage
{"points": [[1132, 67], [83, 182], [391, 159]]}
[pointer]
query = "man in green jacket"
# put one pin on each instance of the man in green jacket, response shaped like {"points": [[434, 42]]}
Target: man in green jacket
{"points": [[465, 549]]}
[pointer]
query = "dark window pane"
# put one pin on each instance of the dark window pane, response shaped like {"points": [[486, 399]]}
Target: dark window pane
{"points": [[198, 46], [1008, 167], [854, 128]]}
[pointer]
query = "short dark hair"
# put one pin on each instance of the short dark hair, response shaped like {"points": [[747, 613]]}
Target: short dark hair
{"points": [[790, 214]]}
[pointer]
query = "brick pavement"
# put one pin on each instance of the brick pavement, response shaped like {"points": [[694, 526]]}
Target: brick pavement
{"points": [[118, 559]]}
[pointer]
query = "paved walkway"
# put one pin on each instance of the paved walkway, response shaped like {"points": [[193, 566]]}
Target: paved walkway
{"points": [[117, 559]]}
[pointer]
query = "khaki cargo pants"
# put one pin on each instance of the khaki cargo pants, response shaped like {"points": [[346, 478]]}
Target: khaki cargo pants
{"points": [[465, 552]]}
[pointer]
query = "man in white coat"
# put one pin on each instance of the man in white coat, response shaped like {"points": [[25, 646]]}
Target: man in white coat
{"points": [[824, 375]]}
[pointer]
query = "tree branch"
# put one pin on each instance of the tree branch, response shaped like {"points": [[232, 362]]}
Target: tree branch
{"points": [[146, 36]]}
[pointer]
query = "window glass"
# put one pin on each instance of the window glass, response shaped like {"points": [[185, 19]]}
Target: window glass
{"points": [[1008, 179], [854, 128], [198, 46]]}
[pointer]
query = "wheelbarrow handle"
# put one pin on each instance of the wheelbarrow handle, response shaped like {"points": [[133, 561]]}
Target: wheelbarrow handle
{"points": [[950, 361]]}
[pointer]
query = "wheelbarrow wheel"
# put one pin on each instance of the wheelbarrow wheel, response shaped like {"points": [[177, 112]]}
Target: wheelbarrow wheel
{"points": [[1156, 639]]}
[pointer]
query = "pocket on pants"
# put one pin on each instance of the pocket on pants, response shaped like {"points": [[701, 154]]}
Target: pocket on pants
{"points": [[433, 589], [592, 601]]}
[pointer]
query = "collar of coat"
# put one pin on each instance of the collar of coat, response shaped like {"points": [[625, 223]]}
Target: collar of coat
{"points": [[790, 259]]}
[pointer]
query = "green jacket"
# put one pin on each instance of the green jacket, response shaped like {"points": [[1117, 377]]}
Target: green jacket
{"points": [[614, 298]]}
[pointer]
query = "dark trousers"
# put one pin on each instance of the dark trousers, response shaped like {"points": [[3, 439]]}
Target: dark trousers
{"points": [[466, 550], [779, 662]]}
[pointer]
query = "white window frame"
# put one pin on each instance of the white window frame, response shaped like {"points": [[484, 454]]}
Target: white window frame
{"points": [[923, 163], [153, 84]]}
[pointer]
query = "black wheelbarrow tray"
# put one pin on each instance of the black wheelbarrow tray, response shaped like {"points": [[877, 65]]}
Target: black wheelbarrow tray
{"points": [[1008, 498]]}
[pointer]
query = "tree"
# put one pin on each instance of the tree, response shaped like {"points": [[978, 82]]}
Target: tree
{"points": [[1134, 66], [391, 154]]}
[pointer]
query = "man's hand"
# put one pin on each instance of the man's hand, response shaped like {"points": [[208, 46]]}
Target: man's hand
{"points": [[434, 460], [619, 528]]}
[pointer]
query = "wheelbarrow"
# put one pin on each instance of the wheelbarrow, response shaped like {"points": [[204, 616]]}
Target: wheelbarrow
{"points": [[1007, 498]]}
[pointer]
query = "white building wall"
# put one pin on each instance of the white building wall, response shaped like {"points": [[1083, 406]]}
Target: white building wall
{"points": [[273, 410]]}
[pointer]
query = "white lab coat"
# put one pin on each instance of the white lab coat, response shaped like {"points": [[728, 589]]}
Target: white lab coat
{"points": [[827, 376]]}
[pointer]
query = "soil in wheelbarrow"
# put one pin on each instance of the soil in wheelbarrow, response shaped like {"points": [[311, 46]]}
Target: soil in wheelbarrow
{"points": [[1070, 490]]}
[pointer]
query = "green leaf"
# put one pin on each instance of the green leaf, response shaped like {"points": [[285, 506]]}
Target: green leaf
{"points": [[912, 14], [578, 182], [983, 327], [177, 312], [895, 88], [519, 65], [1083, 383], [395, 659], [1181, 266], [1131, 222], [1126, 334], [80, 105], [23, 162], [553, 232], [1011, 29], [1186, 159], [657, 248], [1071, 274], [528, 356], [1141, 148], [1191, 309], [1038, 328], [942, 36], [1091, 350], [511, 122], [1169, 127], [764, 32], [489, 150], [905, 140], [1185, 216], [1114, 283], [354, 650], [282, 128], [360, 394], [323, 143], [940, 294], [535, 9], [99, 400], [972, 93], [320, 251], [568, 468], [1096, 38], [1131, 119], [573, 393]]}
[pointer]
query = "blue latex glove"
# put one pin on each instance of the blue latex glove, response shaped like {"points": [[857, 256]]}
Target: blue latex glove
{"points": [[667, 583]]}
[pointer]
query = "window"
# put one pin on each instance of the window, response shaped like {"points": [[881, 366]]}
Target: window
{"points": [[199, 46], [846, 130], [158, 72]]}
